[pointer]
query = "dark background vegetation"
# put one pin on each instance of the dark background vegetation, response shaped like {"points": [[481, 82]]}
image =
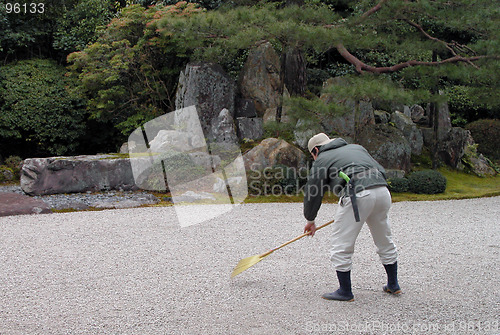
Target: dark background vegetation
{"points": [[80, 77]]}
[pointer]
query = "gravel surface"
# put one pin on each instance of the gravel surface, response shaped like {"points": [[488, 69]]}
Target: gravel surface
{"points": [[136, 271]]}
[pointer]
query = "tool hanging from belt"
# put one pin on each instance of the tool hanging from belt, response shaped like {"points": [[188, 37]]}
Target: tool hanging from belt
{"points": [[352, 194]]}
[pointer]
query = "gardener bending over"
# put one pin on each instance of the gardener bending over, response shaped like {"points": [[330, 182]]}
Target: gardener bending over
{"points": [[365, 198]]}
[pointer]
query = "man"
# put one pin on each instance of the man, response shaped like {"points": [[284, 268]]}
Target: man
{"points": [[350, 172]]}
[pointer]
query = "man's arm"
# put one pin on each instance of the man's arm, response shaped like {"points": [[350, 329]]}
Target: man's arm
{"points": [[314, 191]]}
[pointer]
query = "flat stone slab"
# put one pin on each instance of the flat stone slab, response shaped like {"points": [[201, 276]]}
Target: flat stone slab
{"points": [[17, 204]]}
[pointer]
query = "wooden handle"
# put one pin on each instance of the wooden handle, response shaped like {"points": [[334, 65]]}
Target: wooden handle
{"points": [[295, 239]]}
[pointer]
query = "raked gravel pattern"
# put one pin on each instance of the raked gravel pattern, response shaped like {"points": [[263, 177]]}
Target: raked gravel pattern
{"points": [[136, 271]]}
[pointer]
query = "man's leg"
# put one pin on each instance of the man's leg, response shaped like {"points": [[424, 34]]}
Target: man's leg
{"points": [[382, 236], [345, 232]]}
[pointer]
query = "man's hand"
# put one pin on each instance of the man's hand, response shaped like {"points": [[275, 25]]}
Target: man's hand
{"points": [[310, 227]]}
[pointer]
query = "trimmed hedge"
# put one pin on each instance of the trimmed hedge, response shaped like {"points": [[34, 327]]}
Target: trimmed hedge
{"points": [[427, 182], [398, 185]]}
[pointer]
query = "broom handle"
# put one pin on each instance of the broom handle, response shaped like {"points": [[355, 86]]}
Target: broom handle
{"points": [[293, 240]]}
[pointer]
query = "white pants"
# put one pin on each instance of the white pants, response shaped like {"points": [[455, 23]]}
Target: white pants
{"points": [[373, 206]]}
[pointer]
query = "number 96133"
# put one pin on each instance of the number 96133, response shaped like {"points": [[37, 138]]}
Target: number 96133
{"points": [[24, 8]]}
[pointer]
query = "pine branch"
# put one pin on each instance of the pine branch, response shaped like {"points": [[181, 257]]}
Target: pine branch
{"points": [[374, 9], [361, 67], [449, 46], [456, 58]]}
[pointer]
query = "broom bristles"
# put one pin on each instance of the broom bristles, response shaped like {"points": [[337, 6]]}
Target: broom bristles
{"points": [[246, 263]]}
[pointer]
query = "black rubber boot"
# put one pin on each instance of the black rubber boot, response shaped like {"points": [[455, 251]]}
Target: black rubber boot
{"points": [[344, 293], [392, 286]]}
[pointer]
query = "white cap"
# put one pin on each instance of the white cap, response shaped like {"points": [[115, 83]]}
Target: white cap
{"points": [[318, 140]]}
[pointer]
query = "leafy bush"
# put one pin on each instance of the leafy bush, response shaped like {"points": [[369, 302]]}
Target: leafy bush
{"points": [[466, 105], [14, 163], [38, 112], [486, 134], [130, 73], [427, 182], [6, 174], [398, 185]]}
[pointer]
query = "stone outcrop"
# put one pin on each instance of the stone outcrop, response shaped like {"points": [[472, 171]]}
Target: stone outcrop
{"points": [[410, 131], [444, 120], [451, 148], [54, 175], [475, 162], [245, 108], [273, 151], [209, 88], [358, 113], [250, 128], [381, 116], [304, 130], [170, 140], [223, 129], [387, 145], [418, 114], [260, 78]]}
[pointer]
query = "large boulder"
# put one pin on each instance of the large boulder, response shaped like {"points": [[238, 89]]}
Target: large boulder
{"points": [[476, 163], [410, 131], [273, 151], [54, 175], [223, 128], [358, 113], [444, 120], [209, 88], [451, 148], [260, 78], [304, 130], [387, 145], [170, 140], [381, 116], [245, 108], [418, 114], [250, 128]]}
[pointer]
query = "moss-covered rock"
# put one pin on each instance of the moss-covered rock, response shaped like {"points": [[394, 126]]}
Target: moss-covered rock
{"points": [[387, 145]]}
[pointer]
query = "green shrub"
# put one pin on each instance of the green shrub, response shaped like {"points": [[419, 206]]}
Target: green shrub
{"points": [[14, 164], [39, 114], [427, 182], [486, 133], [6, 174], [398, 185], [281, 130]]}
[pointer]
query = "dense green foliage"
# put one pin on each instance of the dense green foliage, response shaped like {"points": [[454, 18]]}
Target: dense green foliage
{"points": [[125, 57], [427, 182], [38, 111], [129, 74], [486, 134], [398, 185]]}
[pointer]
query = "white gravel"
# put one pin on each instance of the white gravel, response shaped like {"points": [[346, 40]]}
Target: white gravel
{"points": [[136, 271]]}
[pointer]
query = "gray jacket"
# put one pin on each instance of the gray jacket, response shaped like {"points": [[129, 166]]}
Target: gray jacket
{"points": [[334, 157]]}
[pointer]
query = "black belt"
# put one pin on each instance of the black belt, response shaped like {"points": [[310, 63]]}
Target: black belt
{"points": [[351, 192]]}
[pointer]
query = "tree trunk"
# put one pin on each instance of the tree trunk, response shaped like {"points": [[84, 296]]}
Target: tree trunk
{"points": [[435, 124], [293, 76]]}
